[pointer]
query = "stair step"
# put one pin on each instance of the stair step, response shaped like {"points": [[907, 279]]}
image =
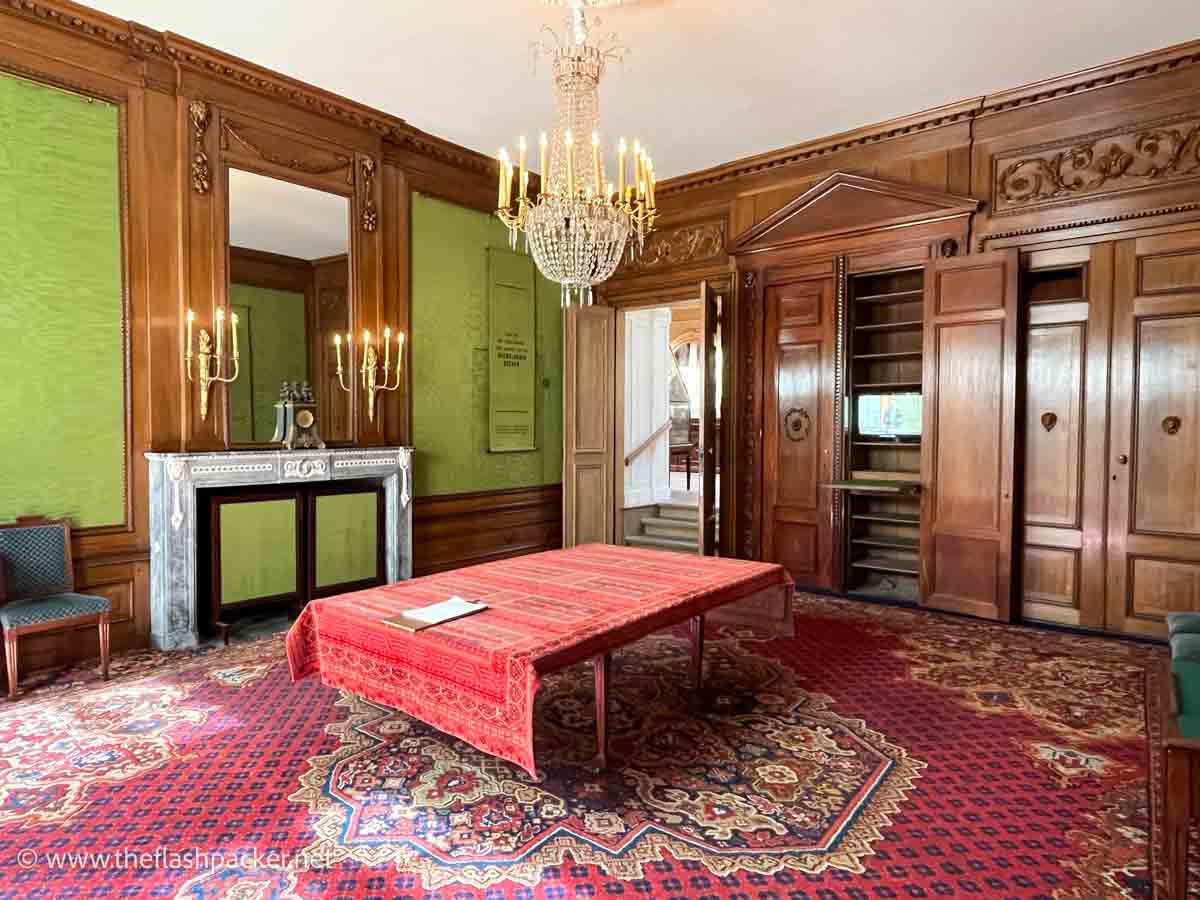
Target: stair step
{"points": [[671, 528], [681, 511], [660, 543]]}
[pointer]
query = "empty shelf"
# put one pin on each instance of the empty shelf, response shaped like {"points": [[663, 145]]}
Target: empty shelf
{"points": [[890, 326], [891, 542], [887, 564], [888, 518]]}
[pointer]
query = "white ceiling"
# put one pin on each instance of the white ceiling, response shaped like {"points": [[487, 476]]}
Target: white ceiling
{"points": [[278, 217], [708, 81]]}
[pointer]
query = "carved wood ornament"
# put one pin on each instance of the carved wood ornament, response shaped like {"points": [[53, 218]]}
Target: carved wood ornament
{"points": [[679, 246], [370, 213], [1104, 163], [259, 144], [200, 117]]}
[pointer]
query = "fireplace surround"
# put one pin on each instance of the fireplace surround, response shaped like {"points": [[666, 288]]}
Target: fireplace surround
{"points": [[176, 477]]}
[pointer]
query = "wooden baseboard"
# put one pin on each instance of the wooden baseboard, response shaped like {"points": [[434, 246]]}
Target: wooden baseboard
{"points": [[456, 530]]}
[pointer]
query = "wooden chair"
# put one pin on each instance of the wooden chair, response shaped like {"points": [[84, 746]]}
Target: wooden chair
{"points": [[37, 588]]}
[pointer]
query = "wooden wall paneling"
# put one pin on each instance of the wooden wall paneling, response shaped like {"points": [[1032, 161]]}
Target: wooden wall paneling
{"points": [[458, 530], [1105, 149], [396, 229], [967, 454], [589, 458], [798, 431], [1067, 311], [1154, 497]]}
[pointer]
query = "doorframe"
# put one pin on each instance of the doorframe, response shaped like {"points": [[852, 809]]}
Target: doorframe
{"points": [[677, 292]]}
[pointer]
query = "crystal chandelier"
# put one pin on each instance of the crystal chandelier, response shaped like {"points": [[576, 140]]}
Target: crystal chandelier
{"points": [[580, 224]]}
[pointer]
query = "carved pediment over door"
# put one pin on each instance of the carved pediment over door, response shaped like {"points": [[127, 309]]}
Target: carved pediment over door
{"points": [[845, 204]]}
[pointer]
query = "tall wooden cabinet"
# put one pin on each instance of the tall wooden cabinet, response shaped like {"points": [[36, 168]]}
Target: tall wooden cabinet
{"points": [[1055, 475], [969, 437], [1154, 495]]}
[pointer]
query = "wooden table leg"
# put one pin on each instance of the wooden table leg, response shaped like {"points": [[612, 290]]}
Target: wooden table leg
{"points": [[600, 666], [1176, 816], [697, 652]]}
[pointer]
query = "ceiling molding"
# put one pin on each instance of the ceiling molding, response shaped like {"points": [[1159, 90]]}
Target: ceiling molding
{"points": [[1179, 56], [148, 44], [1156, 62], [939, 117]]}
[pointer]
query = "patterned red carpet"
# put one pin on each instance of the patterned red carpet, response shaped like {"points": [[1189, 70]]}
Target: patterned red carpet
{"points": [[880, 754]]}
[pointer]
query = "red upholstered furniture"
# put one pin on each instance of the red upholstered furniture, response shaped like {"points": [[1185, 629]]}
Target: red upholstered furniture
{"points": [[476, 678]]}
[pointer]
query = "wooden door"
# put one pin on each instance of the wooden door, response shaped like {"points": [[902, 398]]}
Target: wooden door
{"points": [[589, 364], [967, 456], [708, 421], [1067, 302], [1154, 486], [798, 429]]}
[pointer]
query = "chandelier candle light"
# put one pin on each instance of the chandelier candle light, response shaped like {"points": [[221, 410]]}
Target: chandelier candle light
{"points": [[579, 227], [369, 370], [209, 362]]}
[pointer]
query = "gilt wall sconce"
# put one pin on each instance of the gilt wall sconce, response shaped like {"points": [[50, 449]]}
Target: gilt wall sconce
{"points": [[369, 373], [210, 361]]}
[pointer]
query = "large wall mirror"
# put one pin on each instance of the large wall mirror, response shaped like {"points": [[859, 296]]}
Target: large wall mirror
{"points": [[289, 283]]}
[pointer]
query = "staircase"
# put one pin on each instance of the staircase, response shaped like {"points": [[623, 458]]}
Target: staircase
{"points": [[672, 526]]}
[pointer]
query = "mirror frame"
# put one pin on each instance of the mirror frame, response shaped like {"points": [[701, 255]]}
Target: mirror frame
{"points": [[311, 303], [311, 152]]}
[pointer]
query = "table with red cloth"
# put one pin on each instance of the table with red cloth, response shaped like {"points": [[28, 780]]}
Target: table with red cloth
{"points": [[476, 677]]}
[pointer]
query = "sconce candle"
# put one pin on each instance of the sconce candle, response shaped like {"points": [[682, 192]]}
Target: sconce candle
{"points": [[369, 371], [209, 363]]}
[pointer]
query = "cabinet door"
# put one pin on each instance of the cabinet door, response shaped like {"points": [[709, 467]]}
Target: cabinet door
{"points": [[798, 429], [711, 313], [969, 395], [588, 394], [1067, 303], [1154, 487]]}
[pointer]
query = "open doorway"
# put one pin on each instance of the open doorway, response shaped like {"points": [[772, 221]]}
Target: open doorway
{"points": [[668, 423]]}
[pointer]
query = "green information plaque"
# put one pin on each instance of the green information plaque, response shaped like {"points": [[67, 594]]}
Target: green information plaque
{"points": [[512, 359]]}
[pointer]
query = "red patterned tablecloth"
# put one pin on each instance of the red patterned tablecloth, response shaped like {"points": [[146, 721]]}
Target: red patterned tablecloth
{"points": [[476, 678]]}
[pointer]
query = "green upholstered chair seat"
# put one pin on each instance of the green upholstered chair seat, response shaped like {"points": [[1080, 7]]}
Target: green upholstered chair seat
{"points": [[54, 608], [1187, 683], [1186, 646], [1183, 623]]}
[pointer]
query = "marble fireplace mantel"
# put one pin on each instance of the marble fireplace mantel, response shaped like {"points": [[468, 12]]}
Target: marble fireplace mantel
{"points": [[175, 478]]}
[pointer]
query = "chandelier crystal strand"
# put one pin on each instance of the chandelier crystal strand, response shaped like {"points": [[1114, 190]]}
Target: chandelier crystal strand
{"points": [[580, 226]]}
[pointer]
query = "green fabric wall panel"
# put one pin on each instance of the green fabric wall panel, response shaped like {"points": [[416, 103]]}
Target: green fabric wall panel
{"points": [[346, 530], [278, 351], [258, 549], [450, 359], [61, 307]]}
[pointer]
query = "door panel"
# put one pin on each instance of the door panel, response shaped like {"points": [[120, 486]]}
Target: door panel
{"points": [[1154, 497], [589, 364], [798, 429], [970, 359], [1053, 423], [1167, 498], [968, 445], [1067, 294], [709, 456]]}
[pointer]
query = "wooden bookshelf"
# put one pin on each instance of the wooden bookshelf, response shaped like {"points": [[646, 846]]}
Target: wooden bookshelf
{"points": [[884, 356]]}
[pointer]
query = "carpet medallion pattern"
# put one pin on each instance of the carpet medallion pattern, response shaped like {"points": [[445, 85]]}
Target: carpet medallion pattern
{"points": [[881, 753], [769, 780]]}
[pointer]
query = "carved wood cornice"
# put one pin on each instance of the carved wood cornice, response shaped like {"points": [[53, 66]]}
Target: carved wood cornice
{"points": [[1160, 61], [1132, 215], [939, 117], [1156, 62], [167, 48]]}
